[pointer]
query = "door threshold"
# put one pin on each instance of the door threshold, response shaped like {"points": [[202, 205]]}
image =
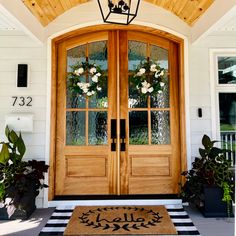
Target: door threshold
{"points": [[118, 201], [116, 197]]}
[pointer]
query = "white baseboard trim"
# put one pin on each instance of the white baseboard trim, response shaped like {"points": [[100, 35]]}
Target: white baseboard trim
{"points": [[149, 202]]}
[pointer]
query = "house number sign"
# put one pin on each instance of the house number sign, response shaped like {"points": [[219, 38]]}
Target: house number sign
{"points": [[22, 101]]}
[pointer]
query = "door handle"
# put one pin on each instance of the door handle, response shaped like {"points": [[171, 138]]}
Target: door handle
{"points": [[113, 135], [122, 134]]}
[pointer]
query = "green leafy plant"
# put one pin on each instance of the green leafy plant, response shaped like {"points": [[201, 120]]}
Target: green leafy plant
{"points": [[212, 168], [18, 177]]}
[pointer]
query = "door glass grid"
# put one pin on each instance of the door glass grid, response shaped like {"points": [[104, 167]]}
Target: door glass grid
{"points": [[149, 117], [86, 117]]}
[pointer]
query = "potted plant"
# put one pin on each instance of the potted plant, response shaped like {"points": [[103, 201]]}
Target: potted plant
{"points": [[210, 183], [20, 181]]}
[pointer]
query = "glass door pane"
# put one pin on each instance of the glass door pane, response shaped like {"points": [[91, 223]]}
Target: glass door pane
{"points": [[86, 116], [149, 115]]}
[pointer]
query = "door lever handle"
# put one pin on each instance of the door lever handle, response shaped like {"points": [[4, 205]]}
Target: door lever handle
{"points": [[113, 135], [122, 134]]}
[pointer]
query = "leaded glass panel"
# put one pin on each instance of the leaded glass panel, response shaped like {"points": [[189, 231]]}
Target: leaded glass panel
{"points": [[98, 55], [75, 128], [97, 128], [75, 55], [138, 127], [160, 125], [136, 53], [160, 56]]}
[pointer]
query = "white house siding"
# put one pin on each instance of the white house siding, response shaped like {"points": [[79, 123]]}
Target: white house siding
{"points": [[17, 48], [200, 85]]}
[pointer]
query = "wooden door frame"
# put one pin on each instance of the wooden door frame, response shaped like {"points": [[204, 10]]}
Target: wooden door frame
{"points": [[98, 28]]}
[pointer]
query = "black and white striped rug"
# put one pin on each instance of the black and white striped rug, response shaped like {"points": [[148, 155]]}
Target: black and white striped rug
{"points": [[57, 223]]}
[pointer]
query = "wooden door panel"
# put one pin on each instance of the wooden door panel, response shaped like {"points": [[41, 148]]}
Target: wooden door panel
{"points": [[86, 186], [150, 165], [144, 185], [86, 166]]}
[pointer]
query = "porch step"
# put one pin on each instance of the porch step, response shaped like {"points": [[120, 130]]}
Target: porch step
{"points": [[117, 202]]}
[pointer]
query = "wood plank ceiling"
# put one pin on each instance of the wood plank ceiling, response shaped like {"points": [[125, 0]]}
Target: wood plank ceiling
{"points": [[187, 10]]}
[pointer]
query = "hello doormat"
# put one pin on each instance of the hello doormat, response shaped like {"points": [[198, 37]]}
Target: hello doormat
{"points": [[60, 218], [124, 220]]}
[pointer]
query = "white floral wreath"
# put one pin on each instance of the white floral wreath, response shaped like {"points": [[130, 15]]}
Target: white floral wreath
{"points": [[149, 78], [91, 71]]}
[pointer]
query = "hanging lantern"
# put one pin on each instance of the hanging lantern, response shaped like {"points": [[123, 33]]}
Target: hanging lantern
{"points": [[118, 11]]}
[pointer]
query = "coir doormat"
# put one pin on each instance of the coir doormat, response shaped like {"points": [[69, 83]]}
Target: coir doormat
{"points": [[113, 220], [59, 220]]}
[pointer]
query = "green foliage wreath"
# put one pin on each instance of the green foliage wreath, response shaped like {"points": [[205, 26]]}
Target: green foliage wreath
{"points": [[78, 82], [149, 78]]}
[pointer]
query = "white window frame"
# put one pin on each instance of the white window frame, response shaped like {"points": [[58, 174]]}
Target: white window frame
{"points": [[217, 88]]}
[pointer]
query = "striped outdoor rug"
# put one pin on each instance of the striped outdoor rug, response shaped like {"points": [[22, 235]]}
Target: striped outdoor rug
{"points": [[58, 221]]}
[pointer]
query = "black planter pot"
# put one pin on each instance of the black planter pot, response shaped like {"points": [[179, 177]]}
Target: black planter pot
{"points": [[11, 212], [213, 204]]}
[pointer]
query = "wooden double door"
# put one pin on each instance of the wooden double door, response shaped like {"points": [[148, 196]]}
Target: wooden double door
{"points": [[117, 141]]}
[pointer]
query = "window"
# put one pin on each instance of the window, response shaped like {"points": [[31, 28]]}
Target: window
{"points": [[224, 94], [226, 70]]}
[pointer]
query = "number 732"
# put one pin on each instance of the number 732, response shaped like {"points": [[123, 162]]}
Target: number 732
{"points": [[22, 101]]}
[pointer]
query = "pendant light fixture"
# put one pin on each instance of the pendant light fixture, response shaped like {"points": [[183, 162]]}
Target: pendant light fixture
{"points": [[118, 11]]}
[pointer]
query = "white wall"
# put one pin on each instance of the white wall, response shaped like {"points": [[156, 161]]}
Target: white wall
{"points": [[17, 48], [200, 85]]}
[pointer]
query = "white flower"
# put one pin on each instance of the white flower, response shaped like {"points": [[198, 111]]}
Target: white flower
{"points": [[95, 79], [85, 90], [104, 104], [150, 89], [146, 84], [162, 84], [92, 92], [157, 74], [98, 74], [160, 91], [89, 93], [92, 70], [79, 71], [137, 87], [142, 71], [144, 90], [162, 73], [153, 68], [99, 88]]}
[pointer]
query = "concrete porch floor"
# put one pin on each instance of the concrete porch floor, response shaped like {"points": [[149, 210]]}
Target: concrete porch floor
{"points": [[32, 227]]}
